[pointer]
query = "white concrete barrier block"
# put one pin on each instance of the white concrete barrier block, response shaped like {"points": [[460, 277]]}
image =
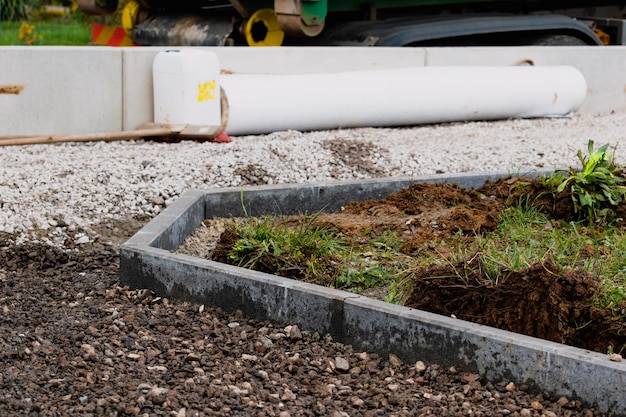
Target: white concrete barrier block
{"points": [[306, 60], [75, 90], [137, 85], [62, 90]]}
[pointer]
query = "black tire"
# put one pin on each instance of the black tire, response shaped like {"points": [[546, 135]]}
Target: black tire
{"points": [[559, 40]]}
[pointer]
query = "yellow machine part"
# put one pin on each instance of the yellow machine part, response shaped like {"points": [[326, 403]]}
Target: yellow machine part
{"points": [[129, 16], [603, 36], [262, 29]]}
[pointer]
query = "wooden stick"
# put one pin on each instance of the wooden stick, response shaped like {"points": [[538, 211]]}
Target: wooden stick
{"points": [[145, 130], [89, 137]]}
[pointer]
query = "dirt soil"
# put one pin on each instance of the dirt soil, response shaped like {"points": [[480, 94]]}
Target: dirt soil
{"points": [[540, 301], [73, 342]]}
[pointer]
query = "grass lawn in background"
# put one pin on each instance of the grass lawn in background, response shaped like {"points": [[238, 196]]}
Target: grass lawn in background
{"points": [[45, 33]]}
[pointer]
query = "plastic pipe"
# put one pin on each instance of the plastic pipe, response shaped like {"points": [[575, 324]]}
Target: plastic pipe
{"points": [[260, 103]]}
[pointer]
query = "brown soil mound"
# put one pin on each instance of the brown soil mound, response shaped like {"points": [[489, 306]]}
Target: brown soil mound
{"points": [[539, 301]]}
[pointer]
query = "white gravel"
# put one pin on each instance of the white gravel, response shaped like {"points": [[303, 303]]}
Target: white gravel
{"points": [[73, 186]]}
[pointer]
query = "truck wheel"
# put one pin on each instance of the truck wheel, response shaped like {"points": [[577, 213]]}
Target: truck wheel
{"points": [[559, 40]]}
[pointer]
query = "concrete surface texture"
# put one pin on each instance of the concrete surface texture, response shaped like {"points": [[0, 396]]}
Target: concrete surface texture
{"points": [[76, 90]]}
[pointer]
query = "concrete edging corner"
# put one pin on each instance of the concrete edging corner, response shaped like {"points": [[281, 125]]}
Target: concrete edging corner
{"points": [[370, 325]]}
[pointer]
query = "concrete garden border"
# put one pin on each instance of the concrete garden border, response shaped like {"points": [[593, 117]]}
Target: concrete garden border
{"points": [[366, 324]]}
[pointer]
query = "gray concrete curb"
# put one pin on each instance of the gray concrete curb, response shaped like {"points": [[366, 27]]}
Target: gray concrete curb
{"points": [[366, 324]]}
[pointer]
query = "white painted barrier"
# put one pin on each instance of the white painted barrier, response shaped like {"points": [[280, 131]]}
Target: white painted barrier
{"points": [[64, 90], [75, 90]]}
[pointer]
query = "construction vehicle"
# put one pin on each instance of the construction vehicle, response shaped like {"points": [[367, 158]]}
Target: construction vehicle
{"points": [[369, 22]]}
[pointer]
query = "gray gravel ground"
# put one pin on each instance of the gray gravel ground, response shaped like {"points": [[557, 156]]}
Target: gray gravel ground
{"points": [[81, 184], [72, 342]]}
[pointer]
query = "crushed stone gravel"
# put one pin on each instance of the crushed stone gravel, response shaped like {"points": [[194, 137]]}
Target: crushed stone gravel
{"points": [[76, 185], [73, 342]]}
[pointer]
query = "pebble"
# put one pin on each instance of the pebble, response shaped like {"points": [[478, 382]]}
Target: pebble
{"points": [[247, 357], [90, 352], [357, 402], [615, 357], [341, 364], [562, 401], [82, 240], [288, 395], [536, 405], [293, 332], [394, 361]]}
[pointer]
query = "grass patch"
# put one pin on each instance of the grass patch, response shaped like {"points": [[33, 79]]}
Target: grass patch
{"points": [[297, 250], [312, 253], [45, 33], [304, 249], [524, 236]]}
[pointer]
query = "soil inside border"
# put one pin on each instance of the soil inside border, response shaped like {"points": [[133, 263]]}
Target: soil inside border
{"points": [[540, 301]]}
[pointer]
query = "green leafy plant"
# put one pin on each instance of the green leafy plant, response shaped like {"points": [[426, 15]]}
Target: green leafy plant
{"points": [[363, 277], [596, 189], [12, 10]]}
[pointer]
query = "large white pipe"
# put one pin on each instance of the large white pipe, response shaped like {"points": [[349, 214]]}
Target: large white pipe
{"points": [[260, 103]]}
